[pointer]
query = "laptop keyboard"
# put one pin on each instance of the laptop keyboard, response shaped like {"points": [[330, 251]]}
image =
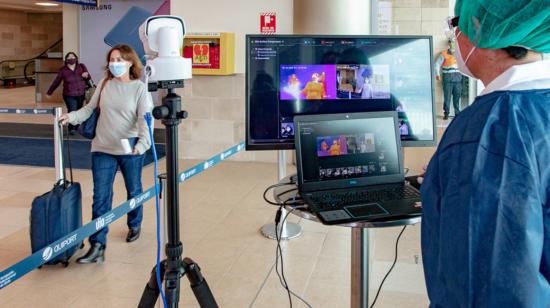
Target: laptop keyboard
{"points": [[329, 200]]}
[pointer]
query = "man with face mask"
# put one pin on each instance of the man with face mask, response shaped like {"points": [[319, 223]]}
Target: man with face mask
{"points": [[486, 192], [446, 70]]}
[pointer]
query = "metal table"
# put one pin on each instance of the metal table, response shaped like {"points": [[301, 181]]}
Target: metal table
{"points": [[359, 243]]}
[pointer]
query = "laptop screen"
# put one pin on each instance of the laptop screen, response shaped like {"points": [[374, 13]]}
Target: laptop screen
{"points": [[349, 147]]}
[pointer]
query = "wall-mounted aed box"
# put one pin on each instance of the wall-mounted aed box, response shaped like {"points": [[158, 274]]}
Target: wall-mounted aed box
{"points": [[212, 53]]}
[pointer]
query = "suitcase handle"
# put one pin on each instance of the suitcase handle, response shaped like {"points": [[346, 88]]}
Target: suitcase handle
{"points": [[64, 180]]}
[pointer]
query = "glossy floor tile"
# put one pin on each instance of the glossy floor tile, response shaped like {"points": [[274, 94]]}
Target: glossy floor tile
{"points": [[221, 213]]}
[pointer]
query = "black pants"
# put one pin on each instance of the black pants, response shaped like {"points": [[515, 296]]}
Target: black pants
{"points": [[73, 103], [452, 87]]}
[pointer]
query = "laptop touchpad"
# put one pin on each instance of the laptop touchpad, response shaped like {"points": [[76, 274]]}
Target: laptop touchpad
{"points": [[366, 210]]}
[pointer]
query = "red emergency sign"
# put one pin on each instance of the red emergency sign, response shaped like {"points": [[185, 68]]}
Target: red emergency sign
{"points": [[268, 23]]}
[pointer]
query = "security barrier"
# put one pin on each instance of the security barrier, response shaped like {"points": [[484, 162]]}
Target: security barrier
{"points": [[42, 256], [26, 111]]}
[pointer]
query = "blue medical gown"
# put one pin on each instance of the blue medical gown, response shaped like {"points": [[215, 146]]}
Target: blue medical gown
{"points": [[486, 205]]}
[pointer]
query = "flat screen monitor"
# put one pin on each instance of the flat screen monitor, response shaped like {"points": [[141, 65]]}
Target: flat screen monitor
{"points": [[289, 75]]}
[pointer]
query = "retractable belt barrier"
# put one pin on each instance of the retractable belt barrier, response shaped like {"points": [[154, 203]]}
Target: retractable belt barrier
{"points": [[49, 252], [27, 111]]}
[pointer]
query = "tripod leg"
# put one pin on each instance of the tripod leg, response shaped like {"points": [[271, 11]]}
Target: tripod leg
{"points": [[151, 292], [200, 287], [172, 285]]}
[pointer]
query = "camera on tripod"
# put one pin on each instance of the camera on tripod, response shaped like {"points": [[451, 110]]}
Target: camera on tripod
{"points": [[162, 38]]}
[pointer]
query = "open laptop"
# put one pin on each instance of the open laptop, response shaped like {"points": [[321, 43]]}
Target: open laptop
{"points": [[350, 167]]}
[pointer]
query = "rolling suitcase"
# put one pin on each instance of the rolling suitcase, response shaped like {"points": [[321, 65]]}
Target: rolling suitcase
{"points": [[55, 214]]}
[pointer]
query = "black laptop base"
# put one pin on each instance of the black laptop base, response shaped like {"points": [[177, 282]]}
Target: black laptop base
{"points": [[364, 204]]}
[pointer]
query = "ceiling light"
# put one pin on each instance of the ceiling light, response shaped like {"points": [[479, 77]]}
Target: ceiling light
{"points": [[46, 4]]}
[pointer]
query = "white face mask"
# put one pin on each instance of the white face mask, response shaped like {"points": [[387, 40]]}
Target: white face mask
{"points": [[118, 69], [460, 62]]}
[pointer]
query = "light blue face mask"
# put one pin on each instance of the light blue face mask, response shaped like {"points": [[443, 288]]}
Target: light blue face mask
{"points": [[118, 68]]}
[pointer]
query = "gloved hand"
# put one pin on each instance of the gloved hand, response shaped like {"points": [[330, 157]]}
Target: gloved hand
{"points": [[420, 179]]}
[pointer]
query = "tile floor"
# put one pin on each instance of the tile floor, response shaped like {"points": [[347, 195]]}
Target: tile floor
{"points": [[221, 213]]}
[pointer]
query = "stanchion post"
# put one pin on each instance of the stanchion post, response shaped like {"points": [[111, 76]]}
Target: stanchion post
{"points": [[288, 230], [58, 144]]}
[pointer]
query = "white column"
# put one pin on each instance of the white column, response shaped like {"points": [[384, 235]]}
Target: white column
{"points": [[332, 17], [71, 28]]}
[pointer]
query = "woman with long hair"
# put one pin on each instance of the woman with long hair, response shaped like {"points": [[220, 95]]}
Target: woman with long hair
{"points": [[121, 140]]}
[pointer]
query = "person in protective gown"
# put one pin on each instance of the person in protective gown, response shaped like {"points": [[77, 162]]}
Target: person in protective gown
{"points": [[486, 191]]}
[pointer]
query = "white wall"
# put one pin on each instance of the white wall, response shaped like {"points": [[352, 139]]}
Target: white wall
{"points": [[71, 29], [239, 16]]}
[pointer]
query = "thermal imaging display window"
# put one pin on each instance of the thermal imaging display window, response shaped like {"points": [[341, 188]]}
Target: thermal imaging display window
{"points": [[349, 148], [288, 75]]}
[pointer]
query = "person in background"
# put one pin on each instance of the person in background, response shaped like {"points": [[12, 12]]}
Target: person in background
{"points": [[403, 128], [74, 76], [446, 70], [335, 148], [315, 89], [486, 191], [121, 140]]}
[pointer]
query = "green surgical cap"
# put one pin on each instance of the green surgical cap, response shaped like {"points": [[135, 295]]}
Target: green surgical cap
{"points": [[502, 23]]}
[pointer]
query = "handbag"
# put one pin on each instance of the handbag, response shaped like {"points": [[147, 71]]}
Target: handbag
{"points": [[89, 91], [87, 128]]}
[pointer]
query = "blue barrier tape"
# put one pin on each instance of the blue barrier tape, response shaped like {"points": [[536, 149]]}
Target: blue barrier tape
{"points": [[26, 111], [49, 252], [209, 163]]}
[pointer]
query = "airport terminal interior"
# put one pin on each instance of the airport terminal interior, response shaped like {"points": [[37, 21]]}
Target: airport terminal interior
{"points": [[241, 52]]}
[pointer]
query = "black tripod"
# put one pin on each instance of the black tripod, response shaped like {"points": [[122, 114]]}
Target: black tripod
{"points": [[173, 268]]}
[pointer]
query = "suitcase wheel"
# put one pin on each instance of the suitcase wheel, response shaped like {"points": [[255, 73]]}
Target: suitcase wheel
{"points": [[81, 245], [65, 263], [40, 267]]}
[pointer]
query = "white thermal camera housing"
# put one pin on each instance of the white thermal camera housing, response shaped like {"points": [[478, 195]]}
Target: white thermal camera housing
{"points": [[162, 38]]}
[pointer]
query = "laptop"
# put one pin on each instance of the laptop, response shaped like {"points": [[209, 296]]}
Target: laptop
{"points": [[350, 168]]}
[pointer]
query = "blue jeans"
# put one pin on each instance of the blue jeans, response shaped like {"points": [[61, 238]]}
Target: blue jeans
{"points": [[73, 103], [104, 168]]}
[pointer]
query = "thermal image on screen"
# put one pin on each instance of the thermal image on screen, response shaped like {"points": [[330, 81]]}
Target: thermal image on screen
{"points": [[332, 146], [314, 82]]}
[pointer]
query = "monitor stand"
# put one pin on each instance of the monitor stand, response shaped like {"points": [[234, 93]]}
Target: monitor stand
{"points": [[288, 230]]}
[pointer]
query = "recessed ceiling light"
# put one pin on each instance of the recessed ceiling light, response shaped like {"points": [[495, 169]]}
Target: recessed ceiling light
{"points": [[47, 4]]}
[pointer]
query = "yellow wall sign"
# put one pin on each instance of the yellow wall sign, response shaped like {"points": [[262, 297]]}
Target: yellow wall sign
{"points": [[201, 54]]}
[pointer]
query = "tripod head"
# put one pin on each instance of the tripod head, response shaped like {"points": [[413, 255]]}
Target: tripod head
{"points": [[170, 111]]}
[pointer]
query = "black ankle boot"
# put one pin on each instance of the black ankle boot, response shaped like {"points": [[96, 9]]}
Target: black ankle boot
{"points": [[133, 234], [96, 254]]}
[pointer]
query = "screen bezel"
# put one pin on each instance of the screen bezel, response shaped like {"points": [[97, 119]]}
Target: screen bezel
{"points": [[285, 145], [346, 183]]}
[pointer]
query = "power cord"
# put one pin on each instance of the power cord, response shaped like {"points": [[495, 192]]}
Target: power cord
{"points": [[275, 186], [391, 268], [279, 251], [149, 121], [294, 203]]}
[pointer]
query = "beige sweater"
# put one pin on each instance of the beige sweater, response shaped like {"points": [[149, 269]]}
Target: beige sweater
{"points": [[123, 106]]}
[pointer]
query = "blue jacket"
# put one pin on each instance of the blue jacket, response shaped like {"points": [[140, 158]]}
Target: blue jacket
{"points": [[486, 203]]}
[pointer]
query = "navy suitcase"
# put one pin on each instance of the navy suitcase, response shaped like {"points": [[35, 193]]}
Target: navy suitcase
{"points": [[56, 214]]}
